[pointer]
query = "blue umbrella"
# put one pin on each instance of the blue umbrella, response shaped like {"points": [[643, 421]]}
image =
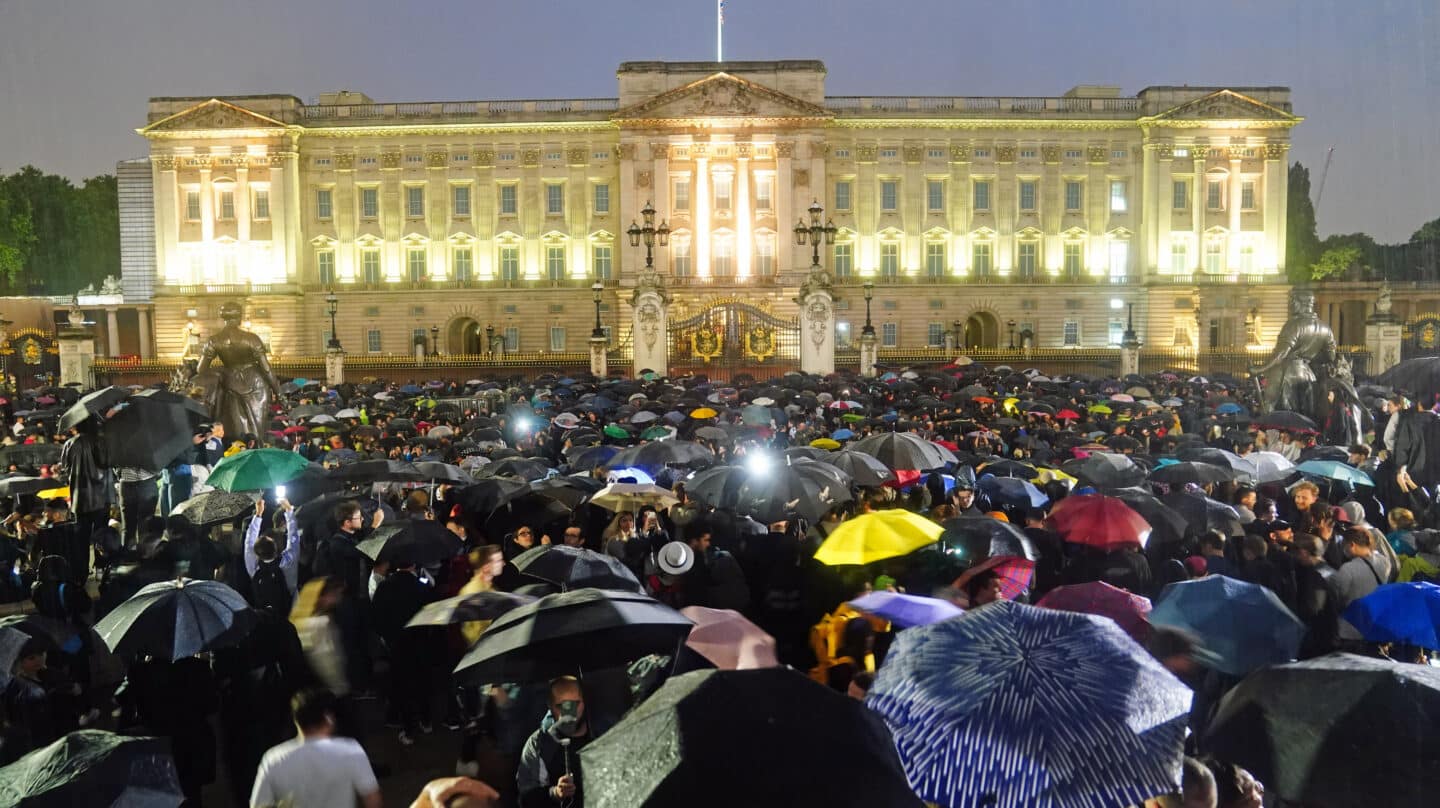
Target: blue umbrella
{"points": [[842, 434], [1012, 491], [1334, 470], [906, 611], [1405, 613], [411, 389], [1242, 626], [1229, 408], [1011, 705]]}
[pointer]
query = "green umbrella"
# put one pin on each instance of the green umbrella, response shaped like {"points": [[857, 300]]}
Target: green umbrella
{"points": [[91, 767], [852, 417], [658, 433], [257, 469], [616, 431]]}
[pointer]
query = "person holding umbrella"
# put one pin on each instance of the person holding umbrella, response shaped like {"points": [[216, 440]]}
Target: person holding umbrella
{"points": [[411, 651], [549, 773], [92, 485]]}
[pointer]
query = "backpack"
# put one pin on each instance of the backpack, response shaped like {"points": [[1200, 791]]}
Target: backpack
{"points": [[269, 590]]}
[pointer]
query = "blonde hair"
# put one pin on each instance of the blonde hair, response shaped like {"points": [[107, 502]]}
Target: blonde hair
{"points": [[1402, 519]]}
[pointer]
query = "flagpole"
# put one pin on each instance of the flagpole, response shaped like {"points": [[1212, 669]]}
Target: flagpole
{"points": [[719, 30]]}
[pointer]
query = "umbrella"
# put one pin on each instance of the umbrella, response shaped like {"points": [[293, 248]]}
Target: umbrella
{"points": [[906, 611], [976, 538], [965, 699], [14, 642], [1190, 471], [1271, 467], [1419, 376], [877, 536], [1012, 492], [631, 496], [465, 608], [590, 457], [572, 632], [717, 486], [524, 468], [490, 494], [373, 471], [1337, 731], [576, 568], [1202, 513], [1099, 521], [863, 469], [656, 455], [176, 619], [902, 450], [1286, 420], [728, 640], [774, 493], [1334, 470], [215, 507], [712, 433], [93, 767], [1009, 468], [1244, 469], [15, 486], [1243, 626], [572, 492], [423, 541], [435, 472], [1097, 597], [30, 456], [757, 738], [256, 469], [1405, 613], [92, 404], [1106, 470]]}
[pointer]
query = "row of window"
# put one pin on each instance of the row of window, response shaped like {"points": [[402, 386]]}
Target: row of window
{"points": [[936, 333], [225, 204], [1028, 193], [462, 264], [507, 199]]}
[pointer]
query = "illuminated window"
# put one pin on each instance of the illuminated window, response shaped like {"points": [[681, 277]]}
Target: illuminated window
{"points": [[415, 202], [681, 194], [415, 263], [557, 338], [935, 258], [370, 266], [1214, 256], [1029, 251], [322, 203], [842, 195], [1027, 194], [1117, 196], [1247, 195], [982, 195], [227, 205], [724, 191], [460, 200], [1247, 258], [261, 204], [325, 262], [889, 195], [369, 203], [509, 263], [764, 192], [722, 261], [1179, 257], [464, 262], [555, 262], [680, 258], [1119, 259], [765, 254], [600, 259], [602, 198], [889, 259], [934, 195], [1074, 258], [508, 205], [980, 258], [1074, 195], [844, 262], [192, 206]]}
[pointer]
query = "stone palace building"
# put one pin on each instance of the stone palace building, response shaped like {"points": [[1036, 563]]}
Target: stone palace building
{"points": [[471, 227]]}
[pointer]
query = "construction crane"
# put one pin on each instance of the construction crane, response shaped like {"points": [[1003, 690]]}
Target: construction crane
{"points": [[1324, 172]]}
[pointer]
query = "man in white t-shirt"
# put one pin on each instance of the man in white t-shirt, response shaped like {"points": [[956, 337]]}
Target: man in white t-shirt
{"points": [[315, 770]]}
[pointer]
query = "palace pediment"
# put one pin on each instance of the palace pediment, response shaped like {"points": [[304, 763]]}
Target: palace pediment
{"points": [[211, 115], [721, 95], [1225, 105]]}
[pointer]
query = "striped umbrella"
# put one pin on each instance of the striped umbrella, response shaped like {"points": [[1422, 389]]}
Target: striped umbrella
{"points": [[1014, 706]]}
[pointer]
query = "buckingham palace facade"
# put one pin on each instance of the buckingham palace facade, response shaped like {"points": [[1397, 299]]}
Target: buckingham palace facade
{"points": [[976, 221]]}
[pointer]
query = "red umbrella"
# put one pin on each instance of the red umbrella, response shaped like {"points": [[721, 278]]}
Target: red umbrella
{"points": [[1070, 415], [1094, 520], [1098, 597], [1015, 574], [294, 430]]}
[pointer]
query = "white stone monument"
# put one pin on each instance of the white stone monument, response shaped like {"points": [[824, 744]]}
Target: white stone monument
{"points": [[817, 323], [1383, 334], [77, 350], [649, 321]]}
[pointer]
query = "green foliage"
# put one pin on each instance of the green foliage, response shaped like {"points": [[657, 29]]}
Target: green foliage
{"points": [[1430, 231], [1336, 260], [72, 233], [1302, 245]]}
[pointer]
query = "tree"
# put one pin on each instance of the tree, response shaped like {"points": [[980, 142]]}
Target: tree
{"points": [[1336, 260], [1302, 245], [1430, 231], [74, 231], [17, 237]]}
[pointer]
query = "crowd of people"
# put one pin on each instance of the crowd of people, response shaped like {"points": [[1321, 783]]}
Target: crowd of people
{"points": [[703, 494]]}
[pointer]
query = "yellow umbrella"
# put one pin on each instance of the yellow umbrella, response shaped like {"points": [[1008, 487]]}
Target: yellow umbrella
{"points": [[825, 443], [702, 413], [1010, 406], [877, 536], [52, 493], [1049, 475], [1100, 408]]}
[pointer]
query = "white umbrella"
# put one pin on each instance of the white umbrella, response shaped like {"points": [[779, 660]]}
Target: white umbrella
{"points": [[631, 496]]}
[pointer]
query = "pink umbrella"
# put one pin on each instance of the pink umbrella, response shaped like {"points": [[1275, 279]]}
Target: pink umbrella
{"points": [[1097, 597], [729, 640]]}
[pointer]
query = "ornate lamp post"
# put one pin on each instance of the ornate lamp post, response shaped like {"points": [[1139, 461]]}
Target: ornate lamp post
{"points": [[490, 338], [434, 340], [959, 330], [869, 329], [815, 233], [332, 305], [650, 235], [1011, 325], [598, 332], [5, 353]]}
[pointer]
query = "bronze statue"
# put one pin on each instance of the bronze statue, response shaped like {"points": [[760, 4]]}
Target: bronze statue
{"points": [[1305, 361], [241, 397]]}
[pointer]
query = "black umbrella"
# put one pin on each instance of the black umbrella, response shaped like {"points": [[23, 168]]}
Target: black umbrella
{"points": [[976, 538], [717, 486], [488, 494], [772, 493], [1009, 468], [94, 404], [572, 492], [148, 432], [523, 468], [93, 767], [173, 620], [576, 568], [1105, 470], [902, 450], [1420, 377], [1244, 469], [215, 507], [658, 454], [15, 486], [1191, 471], [863, 469], [1337, 731], [573, 632], [1202, 513], [758, 738], [443, 473], [30, 456], [372, 471], [1286, 420], [465, 608], [588, 458], [425, 542]]}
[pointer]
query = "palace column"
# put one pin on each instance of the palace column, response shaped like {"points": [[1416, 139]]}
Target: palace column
{"points": [[1274, 212], [1232, 247], [169, 266], [817, 324], [702, 211], [649, 324], [147, 340], [743, 220], [1197, 208]]}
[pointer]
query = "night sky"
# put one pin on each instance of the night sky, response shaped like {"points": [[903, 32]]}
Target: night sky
{"points": [[75, 74]]}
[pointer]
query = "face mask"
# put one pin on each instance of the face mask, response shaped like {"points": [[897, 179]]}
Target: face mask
{"points": [[568, 722]]}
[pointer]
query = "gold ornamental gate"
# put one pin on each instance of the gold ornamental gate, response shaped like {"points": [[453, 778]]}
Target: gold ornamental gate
{"points": [[730, 336]]}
